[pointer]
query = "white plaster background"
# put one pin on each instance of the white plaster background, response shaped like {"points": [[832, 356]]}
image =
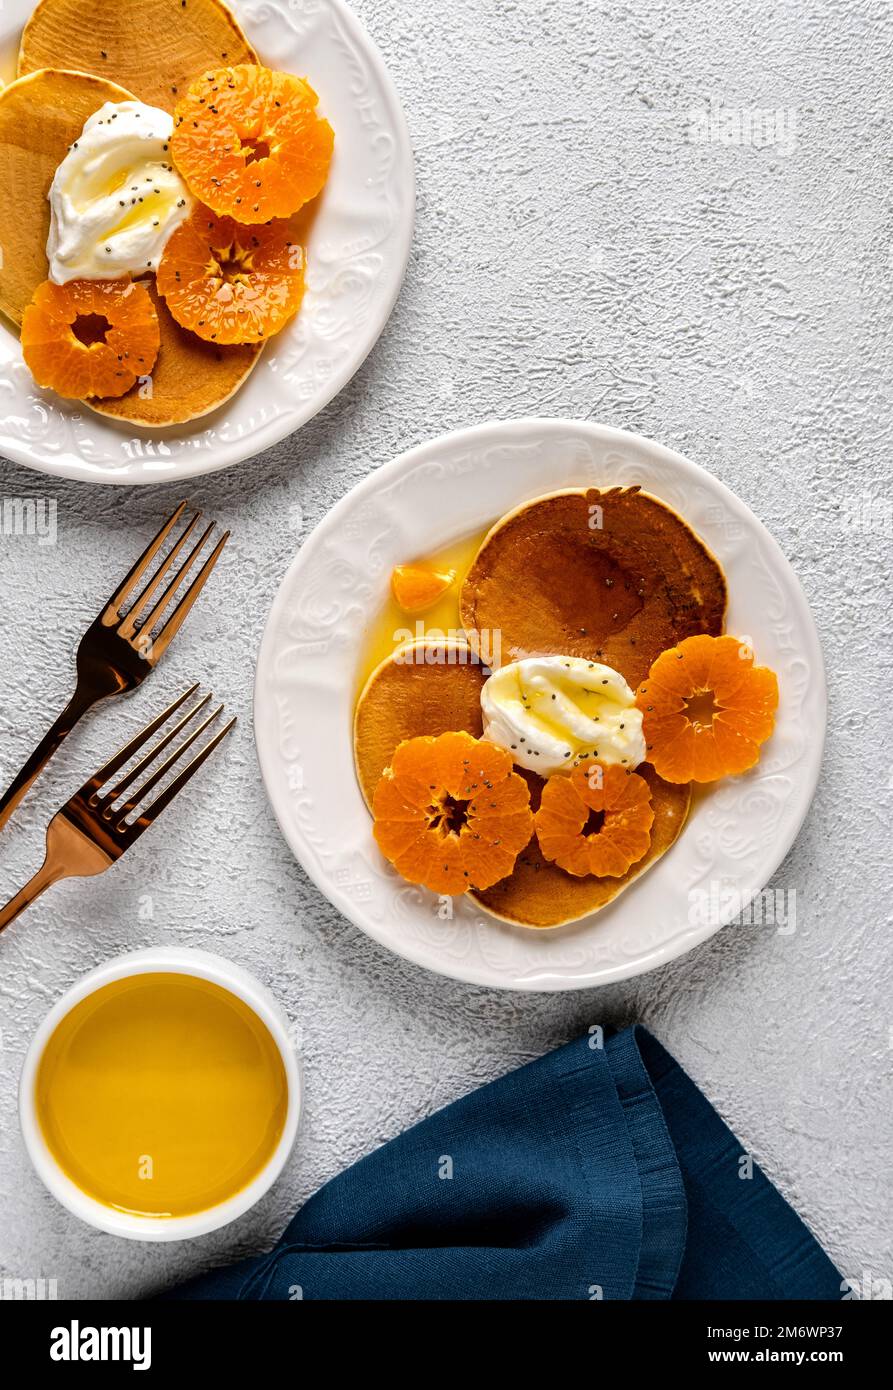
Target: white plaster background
{"points": [[575, 255]]}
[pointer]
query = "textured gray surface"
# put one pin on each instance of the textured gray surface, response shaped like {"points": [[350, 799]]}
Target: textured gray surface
{"points": [[578, 252]]}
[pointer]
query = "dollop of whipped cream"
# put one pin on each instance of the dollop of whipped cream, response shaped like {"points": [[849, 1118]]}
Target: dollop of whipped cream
{"points": [[553, 712], [116, 197]]}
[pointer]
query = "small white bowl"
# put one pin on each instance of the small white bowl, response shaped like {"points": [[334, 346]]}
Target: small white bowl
{"points": [[176, 960]]}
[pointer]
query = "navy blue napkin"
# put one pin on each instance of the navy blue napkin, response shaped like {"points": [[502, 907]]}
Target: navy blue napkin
{"points": [[598, 1171]]}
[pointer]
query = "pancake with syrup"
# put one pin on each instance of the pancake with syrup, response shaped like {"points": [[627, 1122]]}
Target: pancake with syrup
{"points": [[609, 575], [432, 687]]}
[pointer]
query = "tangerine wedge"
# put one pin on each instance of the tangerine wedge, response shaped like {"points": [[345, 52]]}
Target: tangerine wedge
{"points": [[229, 283], [250, 143], [416, 588], [596, 821], [90, 337], [451, 813], [706, 709]]}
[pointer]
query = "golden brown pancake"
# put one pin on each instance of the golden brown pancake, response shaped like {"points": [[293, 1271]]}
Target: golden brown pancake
{"points": [[613, 576], [189, 378], [409, 698], [539, 894], [154, 48], [40, 116]]}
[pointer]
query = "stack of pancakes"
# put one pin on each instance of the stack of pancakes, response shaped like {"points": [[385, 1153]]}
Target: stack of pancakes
{"points": [[73, 59], [613, 576]]}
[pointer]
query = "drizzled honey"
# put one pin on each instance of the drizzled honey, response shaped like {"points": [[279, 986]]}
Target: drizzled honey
{"points": [[391, 626]]}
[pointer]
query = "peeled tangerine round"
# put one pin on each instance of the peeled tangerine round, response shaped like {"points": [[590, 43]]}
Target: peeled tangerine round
{"points": [[451, 814], [250, 143], [596, 821], [706, 709], [229, 283], [90, 337]]}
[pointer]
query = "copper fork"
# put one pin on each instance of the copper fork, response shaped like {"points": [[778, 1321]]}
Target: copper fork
{"points": [[101, 821], [118, 652]]}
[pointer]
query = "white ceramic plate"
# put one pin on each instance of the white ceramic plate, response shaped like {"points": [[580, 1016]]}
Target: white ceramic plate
{"points": [[356, 254], [738, 831]]}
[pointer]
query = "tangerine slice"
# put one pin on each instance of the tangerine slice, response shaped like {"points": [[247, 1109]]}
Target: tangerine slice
{"points": [[249, 142], [620, 804], [450, 813], [416, 588], [706, 709], [229, 283], [90, 337]]}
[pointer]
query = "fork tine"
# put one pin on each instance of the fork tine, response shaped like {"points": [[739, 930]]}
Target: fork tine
{"points": [[152, 617], [124, 754], [145, 560], [128, 625], [133, 801], [174, 622], [112, 796], [151, 813]]}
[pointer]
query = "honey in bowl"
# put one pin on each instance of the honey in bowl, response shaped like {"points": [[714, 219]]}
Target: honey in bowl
{"points": [[161, 1094]]}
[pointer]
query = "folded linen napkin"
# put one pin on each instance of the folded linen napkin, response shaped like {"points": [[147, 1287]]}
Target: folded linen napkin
{"points": [[598, 1171]]}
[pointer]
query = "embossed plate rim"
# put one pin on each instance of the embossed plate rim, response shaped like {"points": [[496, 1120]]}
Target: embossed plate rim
{"points": [[268, 406], [789, 769]]}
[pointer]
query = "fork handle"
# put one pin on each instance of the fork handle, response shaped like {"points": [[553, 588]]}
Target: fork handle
{"points": [[76, 708], [48, 874]]}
